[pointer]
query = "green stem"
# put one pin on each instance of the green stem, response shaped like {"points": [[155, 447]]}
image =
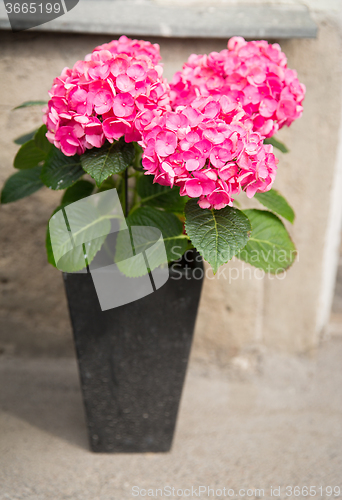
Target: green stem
{"points": [[126, 192]]}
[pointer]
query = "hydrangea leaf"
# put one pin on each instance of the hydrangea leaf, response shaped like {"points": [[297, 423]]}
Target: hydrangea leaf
{"points": [[276, 203], [60, 171], [28, 104], [269, 247], [34, 150], [156, 195], [139, 250], [48, 245], [111, 159], [81, 189], [29, 156], [76, 259], [171, 227], [41, 141], [276, 144], [21, 184], [25, 138], [217, 235], [137, 164]]}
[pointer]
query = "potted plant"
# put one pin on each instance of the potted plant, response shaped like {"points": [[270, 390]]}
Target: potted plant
{"points": [[177, 155]]}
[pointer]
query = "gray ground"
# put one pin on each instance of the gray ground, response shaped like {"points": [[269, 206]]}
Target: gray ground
{"points": [[265, 421], [273, 423]]}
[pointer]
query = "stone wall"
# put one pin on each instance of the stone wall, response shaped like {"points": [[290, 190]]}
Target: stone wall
{"points": [[236, 315]]}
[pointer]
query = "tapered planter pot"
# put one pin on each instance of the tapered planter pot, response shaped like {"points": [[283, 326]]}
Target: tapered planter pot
{"points": [[133, 359]]}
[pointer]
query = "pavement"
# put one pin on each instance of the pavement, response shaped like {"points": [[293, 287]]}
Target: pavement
{"points": [[243, 430]]}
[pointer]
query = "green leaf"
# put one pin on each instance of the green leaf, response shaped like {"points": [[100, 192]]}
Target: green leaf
{"points": [[29, 156], [21, 184], [33, 151], [111, 159], [60, 171], [81, 189], [276, 144], [48, 245], [41, 141], [269, 247], [139, 250], [25, 138], [27, 104], [89, 226], [156, 195], [137, 164], [170, 226], [276, 203], [218, 235]]}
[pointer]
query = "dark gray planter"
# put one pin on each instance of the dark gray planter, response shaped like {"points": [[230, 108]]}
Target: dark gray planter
{"points": [[133, 359]]}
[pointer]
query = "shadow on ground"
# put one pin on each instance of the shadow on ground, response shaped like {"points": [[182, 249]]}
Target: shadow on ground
{"points": [[46, 394]]}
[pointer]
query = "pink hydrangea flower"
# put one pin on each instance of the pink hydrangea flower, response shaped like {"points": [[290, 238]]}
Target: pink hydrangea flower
{"points": [[114, 92], [205, 136], [254, 74], [209, 150], [132, 48]]}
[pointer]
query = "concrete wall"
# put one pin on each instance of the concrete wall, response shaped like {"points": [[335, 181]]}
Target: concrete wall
{"points": [[236, 315]]}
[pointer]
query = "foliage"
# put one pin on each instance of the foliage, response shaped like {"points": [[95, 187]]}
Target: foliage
{"points": [[177, 159], [255, 236]]}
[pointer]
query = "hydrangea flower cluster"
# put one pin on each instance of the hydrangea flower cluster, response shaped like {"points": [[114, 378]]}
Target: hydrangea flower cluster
{"points": [[254, 74], [204, 134], [209, 150], [106, 96]]}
